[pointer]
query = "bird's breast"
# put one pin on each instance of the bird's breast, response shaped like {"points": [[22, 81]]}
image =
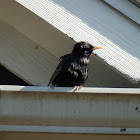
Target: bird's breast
{"points": [[84, 60]]}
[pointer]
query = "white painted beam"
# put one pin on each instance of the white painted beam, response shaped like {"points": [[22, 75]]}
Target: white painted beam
{"points": [[88, 107], [127, 8], [8, 88], [71, 130], [25, 58]]}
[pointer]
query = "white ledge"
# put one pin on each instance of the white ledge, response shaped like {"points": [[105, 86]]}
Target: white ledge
{"points": [[70, 89], [63, 129], [64, 110]]}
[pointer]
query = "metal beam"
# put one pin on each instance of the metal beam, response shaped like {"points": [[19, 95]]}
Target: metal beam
{"points": [[88, 107]]}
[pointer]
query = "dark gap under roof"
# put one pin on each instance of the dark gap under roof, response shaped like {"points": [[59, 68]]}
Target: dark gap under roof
{"points": [[8, 78]]}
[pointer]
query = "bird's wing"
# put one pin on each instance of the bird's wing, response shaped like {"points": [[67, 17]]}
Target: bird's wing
{"points": [[58, 68]]}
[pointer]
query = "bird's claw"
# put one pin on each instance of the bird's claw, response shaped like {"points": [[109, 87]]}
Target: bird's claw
{"points": [[77, 87], [52, 86]]}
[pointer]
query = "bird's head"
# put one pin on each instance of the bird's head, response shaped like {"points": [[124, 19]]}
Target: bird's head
{"points": [[83, 49]]}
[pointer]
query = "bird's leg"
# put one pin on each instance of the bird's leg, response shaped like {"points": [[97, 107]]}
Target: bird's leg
{"points": [[77, 87], [52, 86]]}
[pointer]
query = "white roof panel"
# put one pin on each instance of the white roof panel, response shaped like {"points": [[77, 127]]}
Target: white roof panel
{"points": [[100, 25]]}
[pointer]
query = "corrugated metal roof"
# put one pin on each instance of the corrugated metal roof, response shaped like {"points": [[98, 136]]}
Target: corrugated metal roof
{"points": [[127, 8], [95, 22]]}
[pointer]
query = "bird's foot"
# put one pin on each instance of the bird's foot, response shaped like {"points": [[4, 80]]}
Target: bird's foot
{"points": [[52, 86], [77, 87]]}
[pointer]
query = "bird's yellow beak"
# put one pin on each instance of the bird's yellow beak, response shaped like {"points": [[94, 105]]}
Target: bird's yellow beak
{"points": [[96, 48]]}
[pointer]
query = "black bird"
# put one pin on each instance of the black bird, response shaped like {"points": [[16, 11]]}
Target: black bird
{"points": [[72, 71]]}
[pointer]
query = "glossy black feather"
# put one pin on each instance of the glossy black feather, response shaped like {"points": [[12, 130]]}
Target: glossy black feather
{"points": [[73, 68]]}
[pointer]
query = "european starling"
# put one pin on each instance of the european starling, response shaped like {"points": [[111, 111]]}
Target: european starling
{"points": [[72, 71]]}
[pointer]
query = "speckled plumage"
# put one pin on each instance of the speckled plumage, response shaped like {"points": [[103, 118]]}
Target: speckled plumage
{"points": [[73, 68]]}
